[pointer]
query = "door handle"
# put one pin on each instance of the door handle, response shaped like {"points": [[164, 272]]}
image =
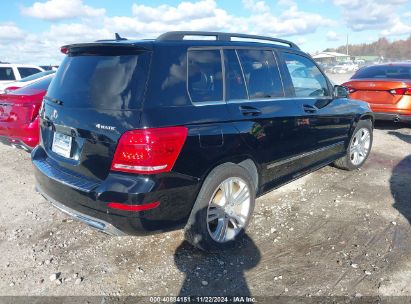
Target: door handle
{"points": [[250, 111], [309, 109]]}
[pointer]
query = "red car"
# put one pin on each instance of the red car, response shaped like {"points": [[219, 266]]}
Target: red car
{"points": [[19, 119], [387, 89]]}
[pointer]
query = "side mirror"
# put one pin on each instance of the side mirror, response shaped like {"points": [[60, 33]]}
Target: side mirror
{"points": [[340, 92]]}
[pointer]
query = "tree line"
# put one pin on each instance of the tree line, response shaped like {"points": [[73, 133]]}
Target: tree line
{"points": [[399, 49]]}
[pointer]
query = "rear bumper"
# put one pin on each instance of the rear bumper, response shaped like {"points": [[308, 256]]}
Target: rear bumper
{"points": [[86, 199], [23, 136], [15, 142], [87, 219], [392, 117]]}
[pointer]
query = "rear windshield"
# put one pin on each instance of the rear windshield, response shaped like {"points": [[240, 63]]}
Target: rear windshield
{"points": [[35, 76], [101, 82], [384, 72], [35, 87]]}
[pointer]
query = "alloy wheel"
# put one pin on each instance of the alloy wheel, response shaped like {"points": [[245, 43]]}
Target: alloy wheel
{"points": [[360, 146], [228, 209]]}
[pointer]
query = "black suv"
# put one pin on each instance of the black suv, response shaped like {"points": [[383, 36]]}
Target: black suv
{"points": [[146, 136]]}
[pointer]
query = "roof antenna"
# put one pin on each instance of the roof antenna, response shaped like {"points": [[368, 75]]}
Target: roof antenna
{"points": [[118, 37]]}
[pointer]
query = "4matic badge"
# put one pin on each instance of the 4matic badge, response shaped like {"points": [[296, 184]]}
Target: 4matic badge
{"points": [[103, 127]]}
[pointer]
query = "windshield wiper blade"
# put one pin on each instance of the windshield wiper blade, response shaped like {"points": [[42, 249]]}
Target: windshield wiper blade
{"points": [[56, 101]]}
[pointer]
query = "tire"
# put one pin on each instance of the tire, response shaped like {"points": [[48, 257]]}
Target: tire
{"points": [[349, 161], [199, 230]]}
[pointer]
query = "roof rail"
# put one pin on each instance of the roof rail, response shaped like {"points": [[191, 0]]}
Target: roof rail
{"points": [[179, 35]]}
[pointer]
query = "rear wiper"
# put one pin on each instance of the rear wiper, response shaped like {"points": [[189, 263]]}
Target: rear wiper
{"points": [[56, 101]]}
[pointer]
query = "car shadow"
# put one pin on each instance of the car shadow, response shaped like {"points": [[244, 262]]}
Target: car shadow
{"points": [[390, 125], [400, 185], [217, 274], [404, 137]]}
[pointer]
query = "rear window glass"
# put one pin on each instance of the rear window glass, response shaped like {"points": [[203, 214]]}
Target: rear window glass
{"points": [[35, 76], [384, 72], [6, 74], [205, 81], [101, 82], [261, 74], [235, 86], [34, 87], [24, 72]]}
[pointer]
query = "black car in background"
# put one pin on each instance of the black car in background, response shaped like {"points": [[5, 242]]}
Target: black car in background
{"points": [[146, 136]]}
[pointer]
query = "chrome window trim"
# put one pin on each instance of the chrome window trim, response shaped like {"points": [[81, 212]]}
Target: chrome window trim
{"points": [[248, 100]]}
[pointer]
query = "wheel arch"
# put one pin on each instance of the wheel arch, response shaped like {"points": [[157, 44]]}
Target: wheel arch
{"points": [[245, 161], [368, 116]]}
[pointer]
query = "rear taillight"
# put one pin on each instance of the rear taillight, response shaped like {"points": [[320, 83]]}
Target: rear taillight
{"points": [[351, 89], [401, 91], [64, 50], [149, 151], [34, 111]]}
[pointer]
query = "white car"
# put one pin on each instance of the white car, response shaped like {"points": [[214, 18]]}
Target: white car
{"points": [[13, 72], [10, 86], [344, 68]]}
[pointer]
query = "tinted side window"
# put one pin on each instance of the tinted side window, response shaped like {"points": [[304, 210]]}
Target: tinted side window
{"points": [[235, 86], [24, 72], [261, 74], [205, 82], [7, 74], [307, 79]]}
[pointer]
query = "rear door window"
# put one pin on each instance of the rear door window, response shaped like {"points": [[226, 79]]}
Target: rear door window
{"points": [[307, 79], [7, 74], [24, 72], [235, 84], [101, 82], [204, 75], [261, 74]]}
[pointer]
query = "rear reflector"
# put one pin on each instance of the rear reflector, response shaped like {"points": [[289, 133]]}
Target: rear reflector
{"points": [[401, 91], [149, 151], [134, 208]]}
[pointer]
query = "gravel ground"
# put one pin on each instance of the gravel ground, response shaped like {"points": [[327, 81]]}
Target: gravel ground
{"points": [[330, 233]]}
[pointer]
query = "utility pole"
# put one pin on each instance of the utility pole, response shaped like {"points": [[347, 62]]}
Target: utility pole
{"points": [[347, 45]]}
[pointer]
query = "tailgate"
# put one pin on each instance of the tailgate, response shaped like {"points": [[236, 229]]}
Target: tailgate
{"points": [[375, 91], [82, 142], [95, 97]]}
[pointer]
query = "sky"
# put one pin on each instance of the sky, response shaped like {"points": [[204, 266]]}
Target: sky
{"points": [[33, 31]]}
